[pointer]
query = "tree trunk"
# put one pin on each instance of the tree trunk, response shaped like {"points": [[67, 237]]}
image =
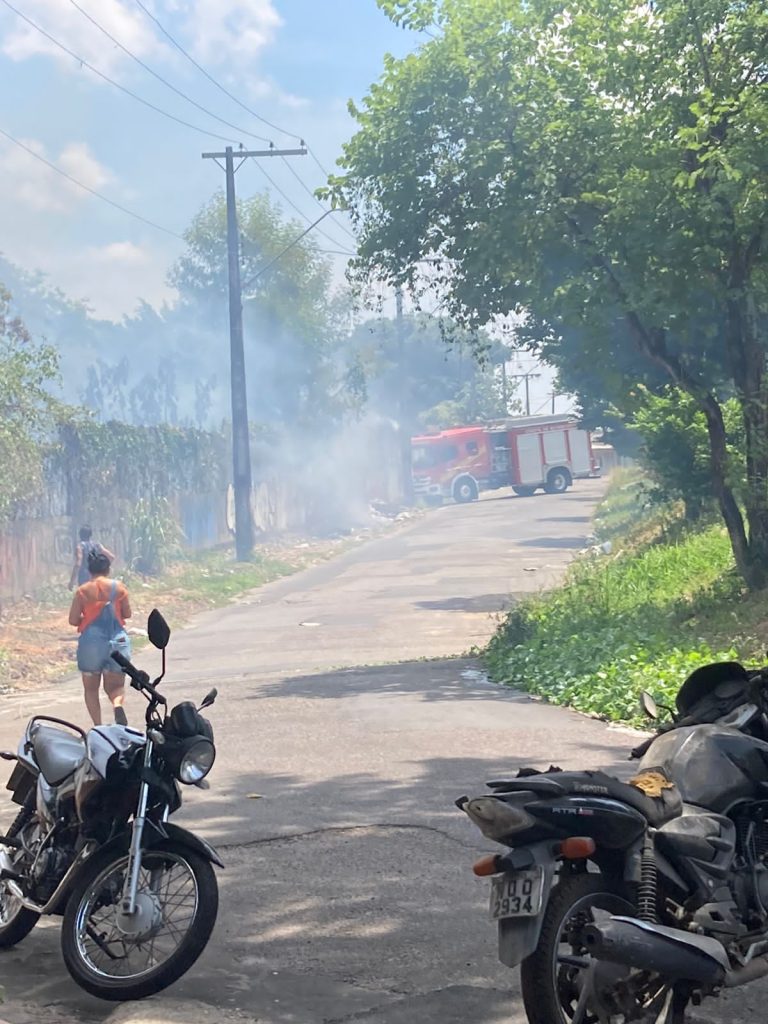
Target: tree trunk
{"points": [[653, 344], [748, 367], [751, 570]]}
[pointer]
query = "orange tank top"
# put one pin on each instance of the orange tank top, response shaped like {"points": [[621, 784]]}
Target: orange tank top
{"points": [[94, 597]]}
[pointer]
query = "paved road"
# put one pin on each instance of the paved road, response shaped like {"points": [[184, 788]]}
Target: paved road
{"points": [[348, 892]]}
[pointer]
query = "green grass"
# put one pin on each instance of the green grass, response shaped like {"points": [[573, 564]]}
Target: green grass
{"points": [[643, 618], [216, 578]]}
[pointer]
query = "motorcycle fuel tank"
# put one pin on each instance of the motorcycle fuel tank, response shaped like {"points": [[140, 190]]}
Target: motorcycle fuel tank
{"points": [[713, 766]]}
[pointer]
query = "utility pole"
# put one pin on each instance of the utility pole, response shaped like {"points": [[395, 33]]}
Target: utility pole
{"points": [[405, 438], [527, 377], [241, 441]]}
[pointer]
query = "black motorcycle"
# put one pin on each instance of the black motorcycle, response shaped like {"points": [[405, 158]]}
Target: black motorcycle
{"points": [[629, 901], [93, 842]]}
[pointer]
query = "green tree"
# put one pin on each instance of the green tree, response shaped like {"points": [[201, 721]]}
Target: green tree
{"points": [[27, 370], [675, 447], [603, 167]]}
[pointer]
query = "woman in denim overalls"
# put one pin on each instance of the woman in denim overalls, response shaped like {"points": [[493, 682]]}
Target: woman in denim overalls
{"points": [[99, 610]]}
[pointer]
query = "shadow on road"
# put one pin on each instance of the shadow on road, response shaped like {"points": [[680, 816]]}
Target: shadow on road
{"points": [[347, 889], [482, 603], [554, 542]]}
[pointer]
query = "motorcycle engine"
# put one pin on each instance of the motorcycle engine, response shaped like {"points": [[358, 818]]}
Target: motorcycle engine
{"points": [[44, 863], [750, 879]]}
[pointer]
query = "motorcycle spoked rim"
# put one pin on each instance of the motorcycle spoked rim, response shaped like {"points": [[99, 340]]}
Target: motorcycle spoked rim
{"points": [[95, 887]]}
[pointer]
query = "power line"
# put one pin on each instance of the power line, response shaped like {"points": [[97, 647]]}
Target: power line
{"points": [[317, 161], [312, 196], [172, 39], [213, 80], [236, 99], [87, 188], [291, 203], [106, 78], [160, 78]]}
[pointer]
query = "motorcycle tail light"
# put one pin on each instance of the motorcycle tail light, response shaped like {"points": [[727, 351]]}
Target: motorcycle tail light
{"points": [[577, 848], [486, 866]]}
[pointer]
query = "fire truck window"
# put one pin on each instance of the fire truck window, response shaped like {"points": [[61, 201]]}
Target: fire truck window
{"points": [[429, 456], [472, 448]]}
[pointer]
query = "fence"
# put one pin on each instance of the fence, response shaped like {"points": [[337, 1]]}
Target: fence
{"points": [[315, 490]]}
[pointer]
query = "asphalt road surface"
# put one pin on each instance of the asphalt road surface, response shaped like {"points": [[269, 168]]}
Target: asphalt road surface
{"points": [[348, 892]]}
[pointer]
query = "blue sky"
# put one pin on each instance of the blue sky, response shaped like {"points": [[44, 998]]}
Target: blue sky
{"points": [[296, 62]]}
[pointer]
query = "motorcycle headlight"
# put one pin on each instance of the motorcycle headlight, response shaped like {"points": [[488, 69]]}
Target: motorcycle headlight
{"points": [[197, 760]]}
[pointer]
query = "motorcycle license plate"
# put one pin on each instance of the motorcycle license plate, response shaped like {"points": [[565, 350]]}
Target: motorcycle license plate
{"points": [[517, 895]]}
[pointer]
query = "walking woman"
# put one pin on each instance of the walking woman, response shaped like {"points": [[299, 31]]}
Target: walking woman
{"points": [[99, 610]]}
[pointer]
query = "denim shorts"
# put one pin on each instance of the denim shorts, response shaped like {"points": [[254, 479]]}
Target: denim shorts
{"points": [[94, 654]]}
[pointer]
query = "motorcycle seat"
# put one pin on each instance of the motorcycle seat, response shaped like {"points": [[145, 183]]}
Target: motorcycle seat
{"points": [[657, 809], [58, 753]]}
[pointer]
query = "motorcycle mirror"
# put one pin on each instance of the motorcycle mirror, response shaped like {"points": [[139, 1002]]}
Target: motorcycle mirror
{"points": [[648, 705], [158, 630], [209, 698]]}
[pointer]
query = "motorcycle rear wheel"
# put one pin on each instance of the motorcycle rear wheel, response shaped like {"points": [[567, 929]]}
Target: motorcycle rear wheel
{"points": [[552, 981], [16, 921], [177, 902]]}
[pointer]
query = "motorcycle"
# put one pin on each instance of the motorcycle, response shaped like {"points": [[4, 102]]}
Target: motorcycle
{"points": [[632, 900], [92, 842]]}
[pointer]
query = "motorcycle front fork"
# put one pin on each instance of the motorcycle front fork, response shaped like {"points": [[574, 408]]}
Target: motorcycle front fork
{"points": [[131, 884]]}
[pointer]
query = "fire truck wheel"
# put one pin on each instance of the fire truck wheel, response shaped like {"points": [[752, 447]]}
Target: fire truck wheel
{"points": [[558, 481], [465, 489]]}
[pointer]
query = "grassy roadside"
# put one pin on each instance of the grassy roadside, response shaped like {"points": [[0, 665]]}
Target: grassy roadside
{"points": [[663, 602], [37, 644]]}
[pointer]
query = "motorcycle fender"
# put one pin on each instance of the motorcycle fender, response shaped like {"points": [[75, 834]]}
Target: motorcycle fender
{"points": [[519, 936], [184, 838], [158, 834]]}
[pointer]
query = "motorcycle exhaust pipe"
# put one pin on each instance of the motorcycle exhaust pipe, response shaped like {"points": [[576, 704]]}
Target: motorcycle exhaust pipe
{"points": [[670, 952]]}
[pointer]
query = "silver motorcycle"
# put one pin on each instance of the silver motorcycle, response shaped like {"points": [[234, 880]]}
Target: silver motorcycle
{"points": [[93, 843]]}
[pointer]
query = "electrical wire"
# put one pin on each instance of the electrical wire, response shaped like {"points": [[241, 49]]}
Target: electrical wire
{"points": [[291, 203], [87, 188], [106, 78], [312, 196], [213, 80], [160, 78], [244, 106]]}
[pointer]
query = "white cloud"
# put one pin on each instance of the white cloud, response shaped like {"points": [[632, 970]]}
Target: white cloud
{"points": [[224, 30], [60, 19], [30, 183], [112, 278], [121, 254]]}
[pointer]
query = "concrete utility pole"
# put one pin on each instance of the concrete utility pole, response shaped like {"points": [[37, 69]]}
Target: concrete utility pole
{"points": [[405, 437], [241, 442], [527, 377]]}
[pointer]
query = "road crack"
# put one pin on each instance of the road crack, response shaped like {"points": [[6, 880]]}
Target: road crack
{"points": [[331, 829]]}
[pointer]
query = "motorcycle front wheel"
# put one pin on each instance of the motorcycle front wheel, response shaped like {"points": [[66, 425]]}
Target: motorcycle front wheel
{"points": [[117, 957], [561, 983]]}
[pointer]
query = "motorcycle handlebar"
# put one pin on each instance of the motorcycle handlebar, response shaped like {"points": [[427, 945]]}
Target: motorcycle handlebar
{"points": [[139, 679]]}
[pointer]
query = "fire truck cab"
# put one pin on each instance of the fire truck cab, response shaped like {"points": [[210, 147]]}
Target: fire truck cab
{"points": [[526, 453]]}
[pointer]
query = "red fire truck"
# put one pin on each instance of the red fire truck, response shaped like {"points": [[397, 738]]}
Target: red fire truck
{"points": [[525, 453]]}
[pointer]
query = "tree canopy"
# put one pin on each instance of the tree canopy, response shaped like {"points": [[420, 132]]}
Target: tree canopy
{"points": [[27, 370], [601, 167]]}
